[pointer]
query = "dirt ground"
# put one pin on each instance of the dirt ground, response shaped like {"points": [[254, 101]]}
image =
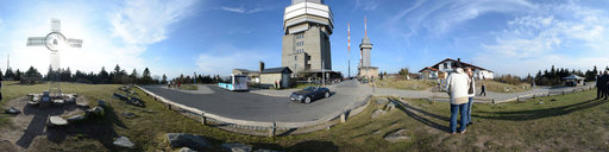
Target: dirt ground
{"points": [[31, 123]]}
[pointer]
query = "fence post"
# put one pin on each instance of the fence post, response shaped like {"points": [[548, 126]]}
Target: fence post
{"points": [[203, 118], [273, 129], [343, 117]]}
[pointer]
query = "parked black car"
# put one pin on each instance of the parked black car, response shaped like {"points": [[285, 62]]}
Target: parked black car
{"points": [[309, 94]]}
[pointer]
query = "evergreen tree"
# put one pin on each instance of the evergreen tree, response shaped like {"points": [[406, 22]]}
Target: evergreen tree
{"points": [[164, 79], [9, 75], [103, 76], [146, 78]]}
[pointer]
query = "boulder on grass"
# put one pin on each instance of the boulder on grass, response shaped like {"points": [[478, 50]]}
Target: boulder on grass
{"points": [[123, 142], [12, 110], [237, 147], [129, 115], [396, 136], [186, 149], [33, 103], [96, 111], [102, 103], [187, 140], [76, 118], [57, 121]]}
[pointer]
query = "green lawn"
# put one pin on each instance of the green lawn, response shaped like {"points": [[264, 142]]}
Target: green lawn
{"points": [[571, 123]]}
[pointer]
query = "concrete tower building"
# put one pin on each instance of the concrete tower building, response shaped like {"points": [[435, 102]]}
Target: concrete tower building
{"points": [[307, 26], [365, 69]]}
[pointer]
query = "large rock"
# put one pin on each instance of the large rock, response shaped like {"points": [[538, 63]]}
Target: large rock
{"points": [[57, 121], [391, 106], [187, 140], [377, 113], [12, 110], [102, 103], [397, 136], [123, 142], [237, 147], [97, 111], [129, 115], [186, 149], [76, 118]]}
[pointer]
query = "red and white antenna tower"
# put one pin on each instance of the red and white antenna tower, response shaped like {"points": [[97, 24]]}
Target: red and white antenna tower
{"points": [[349, 49]]}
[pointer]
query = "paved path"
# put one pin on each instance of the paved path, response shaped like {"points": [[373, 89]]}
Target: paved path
{"points": [[255, 107], [490, 95]]}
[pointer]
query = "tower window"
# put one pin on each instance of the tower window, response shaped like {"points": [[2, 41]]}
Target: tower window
{"points": [[299, 36], [300, 43]]}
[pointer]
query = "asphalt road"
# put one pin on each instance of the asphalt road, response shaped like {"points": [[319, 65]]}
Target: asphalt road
{"points": [[249, 106]]}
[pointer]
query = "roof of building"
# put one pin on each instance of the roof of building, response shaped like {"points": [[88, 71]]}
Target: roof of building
{"points": [[430, 68], [277, 70], [462, 63]]}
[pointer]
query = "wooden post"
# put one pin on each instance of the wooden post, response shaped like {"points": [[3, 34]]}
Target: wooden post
{"points": [[343, 117], [203, 119], [273, 129]]}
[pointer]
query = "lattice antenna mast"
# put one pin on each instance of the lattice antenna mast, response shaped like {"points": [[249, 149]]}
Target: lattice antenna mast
{"points": [[349, 49], [365, 26]]}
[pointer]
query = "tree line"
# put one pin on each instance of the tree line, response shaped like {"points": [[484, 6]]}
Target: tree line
{"points": [[554, 76], [116, 76]]}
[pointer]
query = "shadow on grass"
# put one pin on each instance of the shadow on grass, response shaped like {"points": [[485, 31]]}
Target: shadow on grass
{"points": [[38, 123], [524, 115], [305, 146], [410, 111], [97, 128]]}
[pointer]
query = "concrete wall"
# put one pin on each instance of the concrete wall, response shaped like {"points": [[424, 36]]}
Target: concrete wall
{"points": [[316, 46]]}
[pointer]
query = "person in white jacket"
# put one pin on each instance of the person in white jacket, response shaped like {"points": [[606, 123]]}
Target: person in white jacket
{"points": [[457, 88], [471, 92]]}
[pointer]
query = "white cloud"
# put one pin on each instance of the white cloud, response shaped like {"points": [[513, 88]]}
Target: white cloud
{"points": [[222, 59], [233, 9], [146, 21], [368, 5], [244, 10], [576, 39], [111, 35], [439, 17]]}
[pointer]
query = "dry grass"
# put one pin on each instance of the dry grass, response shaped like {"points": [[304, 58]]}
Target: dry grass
{"points": [[573, 122], [495, 86], [405, 84]]}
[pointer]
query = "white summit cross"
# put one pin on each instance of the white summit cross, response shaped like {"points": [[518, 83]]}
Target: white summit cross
{"points": [[54, 42]]}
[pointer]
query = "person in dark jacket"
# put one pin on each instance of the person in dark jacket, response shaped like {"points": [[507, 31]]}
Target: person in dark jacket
{"points": [[599, 87], [605, 85]]}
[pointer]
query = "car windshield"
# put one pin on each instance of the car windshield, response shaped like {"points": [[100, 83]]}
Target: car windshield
{"points": [[309, 88]]}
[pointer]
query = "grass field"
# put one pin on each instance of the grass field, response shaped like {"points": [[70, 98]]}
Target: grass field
{"points": [[405, 84], [495, 86], [572, 122]]}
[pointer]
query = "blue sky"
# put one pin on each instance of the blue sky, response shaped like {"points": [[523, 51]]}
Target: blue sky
{"points": [[215, 36]]}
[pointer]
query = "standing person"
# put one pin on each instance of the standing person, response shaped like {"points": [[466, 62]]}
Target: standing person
{"points": [[471, 92], [599, 86], [456, 87], [483, 89], [606, 84]]}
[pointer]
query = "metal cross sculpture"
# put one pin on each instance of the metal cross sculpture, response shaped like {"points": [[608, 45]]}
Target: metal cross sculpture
{"points": [[54, 42]]}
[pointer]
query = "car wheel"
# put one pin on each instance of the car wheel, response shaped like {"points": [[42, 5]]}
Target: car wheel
{"points": [[327, 94], [307, 100]]}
